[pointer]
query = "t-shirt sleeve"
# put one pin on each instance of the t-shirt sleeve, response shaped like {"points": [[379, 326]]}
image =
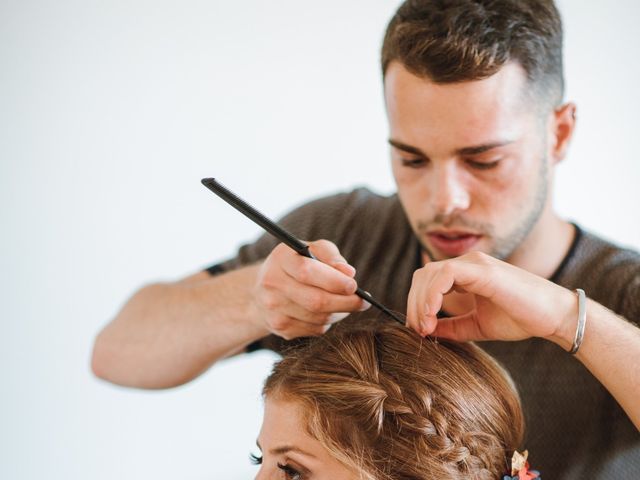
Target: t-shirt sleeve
{"points": [[324, 218], [630, 298], [619, 283], [609, 274]]}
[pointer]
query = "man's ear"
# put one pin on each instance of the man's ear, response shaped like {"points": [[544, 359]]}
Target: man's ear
{"points": [[562, 125]]}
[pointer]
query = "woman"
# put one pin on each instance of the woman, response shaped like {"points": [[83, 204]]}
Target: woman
{"points": [[382, 403]]}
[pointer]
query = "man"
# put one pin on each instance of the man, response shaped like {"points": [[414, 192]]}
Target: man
{"points": [[470, 248]]}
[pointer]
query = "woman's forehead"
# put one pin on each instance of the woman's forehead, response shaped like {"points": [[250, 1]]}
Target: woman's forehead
{"points": [[284, 425]]}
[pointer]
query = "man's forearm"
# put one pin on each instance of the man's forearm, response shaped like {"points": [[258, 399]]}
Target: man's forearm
{"points": [[610, 351], [167, 334]]}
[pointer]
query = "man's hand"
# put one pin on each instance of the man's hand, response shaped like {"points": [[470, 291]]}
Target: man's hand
{"points": [[296, 296], [510, 303], [513, 304]]}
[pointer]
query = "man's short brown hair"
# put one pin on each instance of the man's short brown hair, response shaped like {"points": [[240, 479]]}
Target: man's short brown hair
{"points": [[451, 41]]}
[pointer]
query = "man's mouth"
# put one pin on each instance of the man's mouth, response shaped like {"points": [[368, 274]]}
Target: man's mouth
{"points": [[454, 242]]}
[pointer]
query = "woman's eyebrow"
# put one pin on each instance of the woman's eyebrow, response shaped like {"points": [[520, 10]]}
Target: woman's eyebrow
{"points": [[286, 449]]}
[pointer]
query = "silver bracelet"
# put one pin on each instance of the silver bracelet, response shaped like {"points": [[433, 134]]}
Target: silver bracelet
{"points": [[582, 320]]}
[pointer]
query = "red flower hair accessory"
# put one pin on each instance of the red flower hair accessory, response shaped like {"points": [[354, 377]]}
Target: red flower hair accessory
{"points": [[520, 468]]}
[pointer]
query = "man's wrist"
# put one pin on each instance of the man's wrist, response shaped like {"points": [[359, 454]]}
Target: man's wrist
{"points": [[232, 313], [254, 316], [567, 306]]}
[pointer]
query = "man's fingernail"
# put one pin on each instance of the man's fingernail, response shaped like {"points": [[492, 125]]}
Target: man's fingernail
{"points": [[424, 329], [350, 287], [365, 306], [346, 267], [336, 317], [426, 309]]}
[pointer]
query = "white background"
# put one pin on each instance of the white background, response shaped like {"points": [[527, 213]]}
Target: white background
{"points": [[111, 112]]}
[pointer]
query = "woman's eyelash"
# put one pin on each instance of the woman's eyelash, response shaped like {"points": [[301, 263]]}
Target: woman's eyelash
{"points": [[290, 472]]}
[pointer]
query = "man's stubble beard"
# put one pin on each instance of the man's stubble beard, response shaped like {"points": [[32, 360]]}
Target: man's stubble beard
{"points": [[503, 246]]}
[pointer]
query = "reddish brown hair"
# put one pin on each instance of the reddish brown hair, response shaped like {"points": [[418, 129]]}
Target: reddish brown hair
{"points": [[391, 405], [452, 41]]}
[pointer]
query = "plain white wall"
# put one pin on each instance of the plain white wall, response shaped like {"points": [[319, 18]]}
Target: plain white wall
{"points": [[111, 112]]}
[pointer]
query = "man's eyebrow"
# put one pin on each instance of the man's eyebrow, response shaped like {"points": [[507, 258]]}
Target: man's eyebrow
{"points": [[405, 148], [472, 150], [286, 449], [477, 149]]}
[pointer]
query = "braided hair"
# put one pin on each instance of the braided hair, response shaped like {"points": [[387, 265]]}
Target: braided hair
{"points": [[392, 405]]}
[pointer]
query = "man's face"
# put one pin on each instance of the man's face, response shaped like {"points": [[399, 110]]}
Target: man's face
{"points": [[469, 160]]}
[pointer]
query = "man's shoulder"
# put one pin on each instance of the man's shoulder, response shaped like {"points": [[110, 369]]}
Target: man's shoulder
{"points": [[609, 273], [346, 219], [360, 199], [344, 211], [596, 252]]}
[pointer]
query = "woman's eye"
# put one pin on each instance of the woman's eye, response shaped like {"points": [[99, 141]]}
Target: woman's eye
{"points": [[290, 473], [255, 459], [483, 165], [413, 162]]}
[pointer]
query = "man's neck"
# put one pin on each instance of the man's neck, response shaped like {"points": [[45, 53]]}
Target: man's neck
{"points": [[546, 246]]}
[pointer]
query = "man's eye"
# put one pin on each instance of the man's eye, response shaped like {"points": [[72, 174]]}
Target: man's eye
{"points": [[483, 165], [256, 460], [413, 162]]}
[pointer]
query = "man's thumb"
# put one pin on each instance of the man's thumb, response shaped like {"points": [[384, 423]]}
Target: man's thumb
{"points": [[463, 328]]}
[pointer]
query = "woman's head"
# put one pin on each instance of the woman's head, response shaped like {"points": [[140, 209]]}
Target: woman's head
{"points": [[382, 403]]}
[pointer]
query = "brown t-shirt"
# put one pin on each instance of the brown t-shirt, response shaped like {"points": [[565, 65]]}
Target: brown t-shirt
{"points": [[575, 429]]}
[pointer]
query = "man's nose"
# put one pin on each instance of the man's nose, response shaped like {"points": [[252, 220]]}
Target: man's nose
{"points": [[449, 191]]}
